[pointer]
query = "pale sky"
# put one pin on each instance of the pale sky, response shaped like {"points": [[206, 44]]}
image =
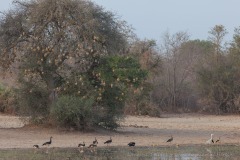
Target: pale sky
{"points": [[152, 18]]}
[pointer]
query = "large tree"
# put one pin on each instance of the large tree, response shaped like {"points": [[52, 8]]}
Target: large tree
{"points": [[218, 79], [52, 37], [58, 46], [175, 69]]}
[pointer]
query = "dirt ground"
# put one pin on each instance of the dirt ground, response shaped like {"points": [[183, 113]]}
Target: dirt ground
{"points": [[145, 131]]}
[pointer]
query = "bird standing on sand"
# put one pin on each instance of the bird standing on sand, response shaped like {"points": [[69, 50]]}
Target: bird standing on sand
{"points": [[92, 146], [108, 141], [218, 140], [131, 144], [95, 141], [36, 146], [170, 139], [49, 142], [210, 140], [81, 144]]}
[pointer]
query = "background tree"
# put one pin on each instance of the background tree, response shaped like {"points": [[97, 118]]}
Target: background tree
{"points": [[234, 60], [217, 79], [141, 102], [177, 86], [176, 71]]}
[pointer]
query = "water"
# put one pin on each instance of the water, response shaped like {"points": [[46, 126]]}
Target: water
{"points": [[199, 152]]}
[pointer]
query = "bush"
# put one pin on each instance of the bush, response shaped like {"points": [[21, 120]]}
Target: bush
{"points": [[107, 85], [84, 99], [115, 77], [113, 103], [33, 101], [72, 111], [7, 100]]}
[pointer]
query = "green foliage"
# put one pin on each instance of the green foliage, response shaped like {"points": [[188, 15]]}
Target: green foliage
{"points": [[72, 111], [139, 103], [7, 100], [115, 78], [118, 70], [106, 86], [219, 85], [33, 100], [60, 45], [219, 79]]}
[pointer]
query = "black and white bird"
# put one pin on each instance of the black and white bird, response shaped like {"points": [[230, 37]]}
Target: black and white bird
{"points": [[36, 146], [218, 140], [170, 139], [108, 141], [95, 141], [81, 144], [131, 144], [210, 141], [48, 143], [92, 146]]}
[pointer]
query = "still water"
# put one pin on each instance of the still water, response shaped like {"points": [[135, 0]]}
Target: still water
{"points": [[200, 152]]}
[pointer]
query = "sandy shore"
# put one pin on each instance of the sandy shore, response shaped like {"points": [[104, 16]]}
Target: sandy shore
{"points": [[145, 131]]}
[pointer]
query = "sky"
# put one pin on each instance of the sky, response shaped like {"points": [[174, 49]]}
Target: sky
{"points": [[152, 18]]}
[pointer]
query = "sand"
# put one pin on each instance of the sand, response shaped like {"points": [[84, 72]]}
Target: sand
{"points": [[145, 131]]}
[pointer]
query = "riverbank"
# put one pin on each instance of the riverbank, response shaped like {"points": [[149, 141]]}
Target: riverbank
{"points": [[145, 131]]}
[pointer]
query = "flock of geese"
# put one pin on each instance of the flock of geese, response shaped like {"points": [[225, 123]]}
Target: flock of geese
{"points": [[44, 144], [130, 144], [94, 144]]}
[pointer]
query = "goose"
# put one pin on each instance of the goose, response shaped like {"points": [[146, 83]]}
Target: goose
{"points": [[95, 141], [210, 140], [92, 146], [48, 143], [170, 139], [81, 144], [218, 140], [108, 141], [131, 144], [36, 146]]}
